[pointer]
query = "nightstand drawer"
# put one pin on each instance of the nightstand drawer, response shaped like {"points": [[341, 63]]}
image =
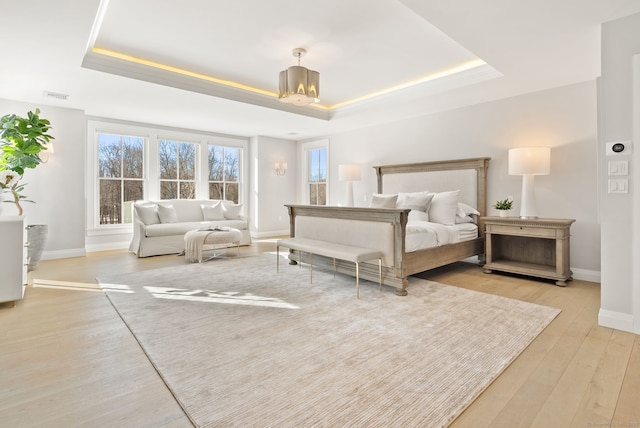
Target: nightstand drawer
{"points": [[538, 232]]}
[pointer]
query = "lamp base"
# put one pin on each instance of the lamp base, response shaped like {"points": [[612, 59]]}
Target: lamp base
{"points": [[528, 202]]}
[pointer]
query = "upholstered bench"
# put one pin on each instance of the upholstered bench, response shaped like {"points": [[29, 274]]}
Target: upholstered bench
{"points": [[333, 250]]}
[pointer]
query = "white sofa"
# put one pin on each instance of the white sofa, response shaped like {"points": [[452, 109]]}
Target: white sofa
{"points": [[159, 226]]}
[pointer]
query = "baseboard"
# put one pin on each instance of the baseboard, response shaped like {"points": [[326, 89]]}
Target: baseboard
{"points": [[617, 320], [63, 254], [586, 275], [109, 246], [270, 234]]}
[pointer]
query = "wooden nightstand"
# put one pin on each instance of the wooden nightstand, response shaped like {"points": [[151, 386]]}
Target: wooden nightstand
{"points": [[536, 247]]}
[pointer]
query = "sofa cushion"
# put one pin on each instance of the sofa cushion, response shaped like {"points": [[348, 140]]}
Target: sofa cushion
{"points": [[169, 229], [148, 214], [167, 213], [212, 211], [230, 210]]}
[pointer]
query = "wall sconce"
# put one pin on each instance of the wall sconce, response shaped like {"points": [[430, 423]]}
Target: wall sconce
{"points": [[281, 168], [349, 173], [529, 162], [48, 150]]}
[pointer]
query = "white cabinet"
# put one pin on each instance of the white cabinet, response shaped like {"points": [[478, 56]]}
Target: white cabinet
{"points": [[13, 258]]}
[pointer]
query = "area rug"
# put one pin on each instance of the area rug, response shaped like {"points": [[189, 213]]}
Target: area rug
{"points": [[240, 345]]}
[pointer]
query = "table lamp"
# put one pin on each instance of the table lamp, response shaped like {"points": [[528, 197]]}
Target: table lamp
{"points": [[349, 173], [529, 162]]}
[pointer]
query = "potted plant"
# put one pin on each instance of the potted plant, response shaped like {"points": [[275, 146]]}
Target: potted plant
{"points": [[21, 141], [503, 206]]}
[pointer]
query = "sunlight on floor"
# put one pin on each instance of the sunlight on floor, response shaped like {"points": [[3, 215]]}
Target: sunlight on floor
{"points": [[66, 285], [210, 296]]}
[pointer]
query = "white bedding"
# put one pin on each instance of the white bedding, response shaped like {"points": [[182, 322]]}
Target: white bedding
{"points": [[425, 234]]}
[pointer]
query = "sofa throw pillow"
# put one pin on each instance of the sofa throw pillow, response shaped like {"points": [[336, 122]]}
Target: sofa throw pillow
{"points": [[230, 210], [443, 207], [383, 201], [418, 201], [148, 214], [167, 213], [212, 212]]}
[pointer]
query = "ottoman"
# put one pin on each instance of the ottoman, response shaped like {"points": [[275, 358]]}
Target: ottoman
{"points": [[195, 240]]}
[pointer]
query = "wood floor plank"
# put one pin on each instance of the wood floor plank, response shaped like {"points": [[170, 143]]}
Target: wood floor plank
{"points": [[628, 406], [563, 402], [598, 403]]}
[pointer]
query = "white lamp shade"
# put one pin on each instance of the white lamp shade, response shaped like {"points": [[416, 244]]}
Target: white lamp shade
{"points": [[530, 161], [349, 172]]}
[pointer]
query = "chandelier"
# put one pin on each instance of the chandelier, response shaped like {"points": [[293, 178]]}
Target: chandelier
{"points": [[298, 85]]}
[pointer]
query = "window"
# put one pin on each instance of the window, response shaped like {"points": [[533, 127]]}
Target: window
{"points": [[128, 162], [224, 173], [120, 176], [177, 169], [317, 177]]}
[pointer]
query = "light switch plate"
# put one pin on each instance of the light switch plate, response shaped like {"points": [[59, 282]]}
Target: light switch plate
{"points": [[618, 167], [618, 185]]}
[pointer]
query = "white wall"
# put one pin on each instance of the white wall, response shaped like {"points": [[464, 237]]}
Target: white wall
{"points": [[563, 118], [57, 187], [620, 42], [270, 192]]}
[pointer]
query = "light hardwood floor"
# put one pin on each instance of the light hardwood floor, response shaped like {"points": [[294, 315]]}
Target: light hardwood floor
{"points": [[67, 359]]}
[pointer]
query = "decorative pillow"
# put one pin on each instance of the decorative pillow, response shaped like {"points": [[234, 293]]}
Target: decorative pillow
{"points": [[418, 201], [443, 207], [230, 210], [213, 212], [167, 213], [383, 201], [148, 214], [465, 219], [464, 210], [415, 215]]}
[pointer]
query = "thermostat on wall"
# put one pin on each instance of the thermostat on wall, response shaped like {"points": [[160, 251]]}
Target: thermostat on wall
{"points": [[618, 148]]}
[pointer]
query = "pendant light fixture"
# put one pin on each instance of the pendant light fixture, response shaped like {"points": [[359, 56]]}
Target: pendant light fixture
{"points": [[298, 85]]}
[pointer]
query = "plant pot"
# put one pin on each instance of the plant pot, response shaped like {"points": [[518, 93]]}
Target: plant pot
{"points": [[37, 237], [504, 213]]}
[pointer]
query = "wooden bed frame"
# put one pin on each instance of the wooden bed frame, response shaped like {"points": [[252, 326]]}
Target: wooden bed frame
{"points": [[404, 264]]}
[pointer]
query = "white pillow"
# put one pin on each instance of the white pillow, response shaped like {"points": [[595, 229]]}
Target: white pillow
{"points": [[148, 214], [465, 219], [418, 201], [383, 201], [230, 210], [465, 210], [415, 215], [443, 207], [167, 213], [213, 212]]}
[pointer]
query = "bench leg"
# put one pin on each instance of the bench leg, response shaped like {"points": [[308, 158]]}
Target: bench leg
{"points": [[334, 268], [380, 272], [310, 268], [277, 258]]}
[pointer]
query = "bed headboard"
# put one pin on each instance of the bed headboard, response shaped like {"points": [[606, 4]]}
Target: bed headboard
{"points": [[468, 175]]}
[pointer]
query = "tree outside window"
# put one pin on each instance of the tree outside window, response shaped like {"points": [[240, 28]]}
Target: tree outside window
{"points": [[120, 172], [224, 173], [177, 169], [317, 179]]}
